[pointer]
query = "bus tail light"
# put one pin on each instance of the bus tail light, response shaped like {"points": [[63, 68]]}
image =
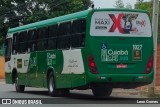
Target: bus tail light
{"points": [[149, 65], [92, 65]]}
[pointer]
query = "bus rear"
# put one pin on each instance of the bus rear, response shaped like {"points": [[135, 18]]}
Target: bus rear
{"points": [[120, 49]]}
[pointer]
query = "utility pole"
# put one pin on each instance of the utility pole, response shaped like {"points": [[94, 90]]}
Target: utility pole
{"points": [[151, 87]]}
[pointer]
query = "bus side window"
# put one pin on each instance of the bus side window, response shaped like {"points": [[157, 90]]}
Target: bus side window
{"points": [[42, 33], [23, 42], [15, 44], [64, 35], [23, 36], [42, 39], [20, 39], [32, 40], [41, 44], [32, 35], [78, 33], [52, 40], [53, 30], [23, 47], [8, 44]]}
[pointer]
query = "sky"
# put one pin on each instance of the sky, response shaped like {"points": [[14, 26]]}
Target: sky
{"points": [[111, 3]]}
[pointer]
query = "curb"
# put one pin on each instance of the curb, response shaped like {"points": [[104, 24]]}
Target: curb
{"points": [[131, 92], [2, 81]]}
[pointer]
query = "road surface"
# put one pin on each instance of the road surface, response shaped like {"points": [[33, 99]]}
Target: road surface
{"points": [[76, 97]]}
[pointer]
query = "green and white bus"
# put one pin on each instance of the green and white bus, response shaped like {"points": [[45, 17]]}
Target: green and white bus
{"points": [[98, 49]]}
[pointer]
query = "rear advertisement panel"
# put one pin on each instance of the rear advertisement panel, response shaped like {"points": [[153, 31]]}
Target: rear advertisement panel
{"points": [[127, 24]]}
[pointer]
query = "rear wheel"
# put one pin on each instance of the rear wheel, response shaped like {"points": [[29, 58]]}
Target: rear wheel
{"points": [[19, 88], [102, 91], [51, 86]]}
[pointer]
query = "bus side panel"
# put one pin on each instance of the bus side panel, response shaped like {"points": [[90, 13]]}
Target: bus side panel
{"points": [[19, 63], [70, 69], [78, 72], [8, 72], [41, 65], [62, 80], [22, 78], [8, 78], [32, 69]]}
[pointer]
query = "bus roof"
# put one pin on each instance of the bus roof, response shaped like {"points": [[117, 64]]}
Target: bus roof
{"points": [[47, 22], [77, 15]]}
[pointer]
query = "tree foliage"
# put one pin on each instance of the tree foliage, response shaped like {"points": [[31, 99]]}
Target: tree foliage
{"points": [[13, 12], [120, 4], [148, 6], [139, 1], [129, 6]]}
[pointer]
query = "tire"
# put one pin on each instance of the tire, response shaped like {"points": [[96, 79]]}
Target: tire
{"points": [[102, 91], [51, 86], [19, 88]]}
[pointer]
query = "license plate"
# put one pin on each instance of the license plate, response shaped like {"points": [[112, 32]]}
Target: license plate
{"points": [[121, 65]]}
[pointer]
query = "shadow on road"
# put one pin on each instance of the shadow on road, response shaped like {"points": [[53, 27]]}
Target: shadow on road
{"points": [[80, 98], [44, 93]]}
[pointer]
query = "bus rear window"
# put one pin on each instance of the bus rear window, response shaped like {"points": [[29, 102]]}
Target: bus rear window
{"points": [[127, 24]]}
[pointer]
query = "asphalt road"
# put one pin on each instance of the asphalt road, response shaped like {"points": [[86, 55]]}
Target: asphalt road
{"points": [[76, 98], [8, 91]]}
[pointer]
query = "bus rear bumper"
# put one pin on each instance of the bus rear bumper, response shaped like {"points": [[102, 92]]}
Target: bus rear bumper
{"points": [[121, 80]]}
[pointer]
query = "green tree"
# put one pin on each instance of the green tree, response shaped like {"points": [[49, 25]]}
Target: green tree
{"points": [[129, 6], [119, 4], [13, 12], [148, 6], [5, 6], [140, 1]]}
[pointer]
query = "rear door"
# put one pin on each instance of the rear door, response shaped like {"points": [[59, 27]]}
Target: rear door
{"points": [[120, 42]]}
